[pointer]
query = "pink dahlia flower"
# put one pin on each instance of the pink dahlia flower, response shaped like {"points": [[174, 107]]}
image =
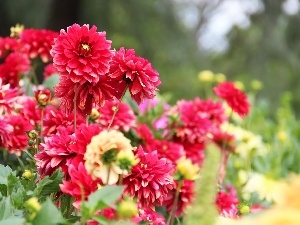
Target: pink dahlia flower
{"points": [[186, 196], [18, 140], [80, 185], [234, 97], [124, 119], [136, 73], [5, 131], [226, 198], [89, 95], [81, 53], [150, 180], [14, 65], [38, 42], [198, 118], [8, 97]]}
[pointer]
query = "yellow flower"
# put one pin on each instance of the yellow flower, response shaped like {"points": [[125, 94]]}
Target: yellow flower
{"points": [[127, 209], [239, 85], [206, 76], [27, 174], [16, 30], [256, 85], [220, 77], [187, 169], [282, 136], [101, 155], [33, 204]]}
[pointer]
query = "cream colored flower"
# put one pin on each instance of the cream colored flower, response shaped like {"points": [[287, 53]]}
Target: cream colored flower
{"points": [[101, 155], [187, 169]]}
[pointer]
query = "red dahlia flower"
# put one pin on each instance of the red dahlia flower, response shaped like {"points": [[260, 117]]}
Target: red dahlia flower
{"points": [[8, 45], [186, 196], [124, 119], [88, 94], [5, 130], [136, 73], [150, 180], [18, 140], [8, 97], [81, 53], [14, 65], [198, 118], [38, 42], [54, 153], [226, 199], [234, 97], [80, 185]]}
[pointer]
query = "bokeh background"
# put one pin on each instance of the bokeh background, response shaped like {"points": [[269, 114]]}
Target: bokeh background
{"points": [[244, 39]]}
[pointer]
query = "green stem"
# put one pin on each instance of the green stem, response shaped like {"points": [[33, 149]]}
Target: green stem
{"points": [[116, 110], [75, 106], [174, 207]]}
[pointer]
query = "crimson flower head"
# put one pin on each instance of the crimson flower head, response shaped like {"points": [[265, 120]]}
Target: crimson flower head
{"points": [[43, 96], [81, 53], [150, 180], [234, 97], [136, 73], [38, 42]]}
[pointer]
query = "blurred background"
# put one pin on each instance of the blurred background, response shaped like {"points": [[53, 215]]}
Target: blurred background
{"points": [[243, 39]]}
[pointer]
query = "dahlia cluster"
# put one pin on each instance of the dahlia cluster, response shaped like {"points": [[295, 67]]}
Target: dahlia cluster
{"points": [[85, 129]]}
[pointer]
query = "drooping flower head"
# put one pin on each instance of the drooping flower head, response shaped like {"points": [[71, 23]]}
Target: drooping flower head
{"points": [[101, 155], [81, 53], [136, 73], [234, 97], [88, 95], [150, 180]]}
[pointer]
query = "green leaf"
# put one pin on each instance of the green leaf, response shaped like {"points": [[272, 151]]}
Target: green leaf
{"points": [[6, 208], [49, 184], [48, 215], [13, 220], [4, 172], [51, 81]]}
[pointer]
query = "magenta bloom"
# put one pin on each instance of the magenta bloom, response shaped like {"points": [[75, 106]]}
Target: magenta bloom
{"points": [[5, 130], [136, 73], [38, 42], [124, 119], [81, 53], [150, 180], [8, 98], [89, 95], [54, 153], [226, 199], [234, 97], [80, 185], [198, 118]]}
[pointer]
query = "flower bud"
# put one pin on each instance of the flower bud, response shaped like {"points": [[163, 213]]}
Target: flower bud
{"points": [[32, 134], [282, 136], [27, 174], [206, 76], [33, 204], [239, 85], [126, 159], [43, 97], [186, 169], [243, 209], [31, 142], [127, 209], [95, 114], [220, 77], [16, 30], [256, 85]]}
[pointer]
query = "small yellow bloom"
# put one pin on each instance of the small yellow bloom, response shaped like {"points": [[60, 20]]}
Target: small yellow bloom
{"points": [[187, 169], [256, 85], [220, 77], [95, 114], [244, 210], [282, 136], [16, 30], [206, 76], [125, 160], [239, 85], [27, 174], [127, 209], [33, 204]]}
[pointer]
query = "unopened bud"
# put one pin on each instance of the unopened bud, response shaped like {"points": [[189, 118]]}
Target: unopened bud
{"points": [[186, 169], [127, 209], [27, 174], [33, 204]]}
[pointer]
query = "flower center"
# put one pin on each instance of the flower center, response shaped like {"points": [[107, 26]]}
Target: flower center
{"points": [[84, 49], [109, 156]]}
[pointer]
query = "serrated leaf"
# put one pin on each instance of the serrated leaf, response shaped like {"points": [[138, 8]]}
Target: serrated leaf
{"points": [[48, 215], [49, 184], [51, 81], [13, 220]]}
